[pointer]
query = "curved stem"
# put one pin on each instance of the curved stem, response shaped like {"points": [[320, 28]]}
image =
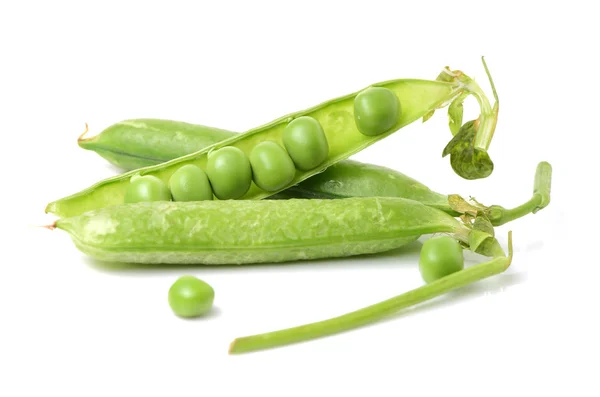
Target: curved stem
{"points": [[499, 215], [541, 198], [81, 137], [374, 312]]}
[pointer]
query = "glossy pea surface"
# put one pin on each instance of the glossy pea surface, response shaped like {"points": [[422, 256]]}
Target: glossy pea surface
{"points": [[190, 297], [305, 142], [146, 188], [440, 256], [272, 167], [376, 110], [190, 183], [229, 172]]}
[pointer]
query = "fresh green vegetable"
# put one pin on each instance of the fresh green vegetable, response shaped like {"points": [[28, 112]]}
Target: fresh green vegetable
{"points": [[132, 144], [250, 231], [229, 172], [190, 183], [146, 188], [272, 168], [350, 178], [190, 297], [440, 256], [305, 142], [417, 98], [375, 110], [353, 179], [374, 312]]}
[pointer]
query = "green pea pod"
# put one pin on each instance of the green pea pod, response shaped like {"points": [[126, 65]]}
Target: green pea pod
{"points": [[339, 118], [125, 144], [250, 231], [137, 143]]}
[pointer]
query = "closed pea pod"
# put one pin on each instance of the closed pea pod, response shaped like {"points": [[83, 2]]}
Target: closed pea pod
{"points": [[272, 168], [305, 142], [190, 183], [229, 172], [137, 143], [417, 99], [245, 231]]}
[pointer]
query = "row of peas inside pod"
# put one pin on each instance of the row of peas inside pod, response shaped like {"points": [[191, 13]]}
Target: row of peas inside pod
{"points": [[229, 171]]}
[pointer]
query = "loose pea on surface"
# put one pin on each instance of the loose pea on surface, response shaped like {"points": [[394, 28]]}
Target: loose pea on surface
{"points": [[305, 141], [190, 183], [146, 188], [440, 256], [190, 297], [229, 172], [376, 110], [272, 168]]}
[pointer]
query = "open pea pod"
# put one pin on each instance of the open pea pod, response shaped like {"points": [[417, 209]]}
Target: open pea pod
{"points": [[348, 124]]}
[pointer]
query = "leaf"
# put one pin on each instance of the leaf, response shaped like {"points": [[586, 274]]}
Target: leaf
{"points": [[459, 204], [484, 244], [466, 161], [483, 224]]}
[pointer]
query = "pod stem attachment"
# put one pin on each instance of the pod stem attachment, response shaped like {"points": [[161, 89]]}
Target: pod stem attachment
{"points": [[374, 312], [81, 137], [541, 198]]}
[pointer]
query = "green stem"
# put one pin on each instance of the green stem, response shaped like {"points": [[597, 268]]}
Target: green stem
{"points": [[374, 312], [488, 116], [541, 198]]}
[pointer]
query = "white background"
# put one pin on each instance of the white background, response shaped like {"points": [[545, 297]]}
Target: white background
{"points": [[72, 327]]}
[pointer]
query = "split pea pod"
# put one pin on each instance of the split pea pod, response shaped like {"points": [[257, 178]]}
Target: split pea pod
{"points": [[345, 125], [253, 231]]}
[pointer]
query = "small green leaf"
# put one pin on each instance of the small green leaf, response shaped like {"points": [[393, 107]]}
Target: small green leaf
{"points": [[484, 244], [483, 224], [466, 161]]}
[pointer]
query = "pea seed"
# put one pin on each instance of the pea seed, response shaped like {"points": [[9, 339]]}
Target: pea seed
{"points": [[190, 183], [190, 297], [229, 173], [146, 188], [376, 110], [305, 142], [272, 168]]}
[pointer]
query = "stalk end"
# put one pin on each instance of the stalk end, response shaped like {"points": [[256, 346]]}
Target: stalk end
{"points": [[81, 138]]}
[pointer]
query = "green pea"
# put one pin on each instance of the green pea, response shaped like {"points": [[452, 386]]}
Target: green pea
{"points": [[146, 188], [229, 173], [440, 256], [305, 141], [272, 168], [376, 110], [190, 297], [190, 183]]}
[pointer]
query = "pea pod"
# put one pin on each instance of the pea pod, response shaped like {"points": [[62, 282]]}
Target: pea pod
{"points": [[345, 179], [137, 143], [249, 231], [338, 119]]}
